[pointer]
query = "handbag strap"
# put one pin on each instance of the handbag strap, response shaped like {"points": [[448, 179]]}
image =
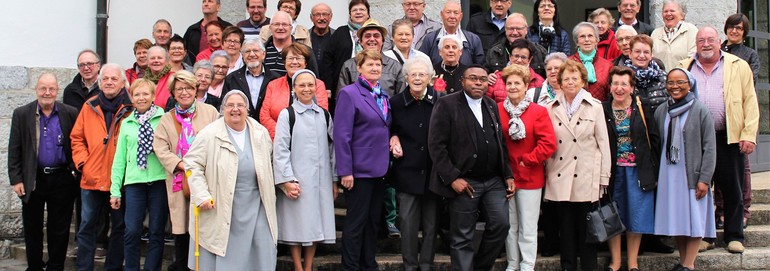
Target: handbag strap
{"points": [[644, 120]]}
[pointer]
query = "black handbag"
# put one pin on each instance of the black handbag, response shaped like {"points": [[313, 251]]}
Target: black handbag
{"points": [[603, 222]]}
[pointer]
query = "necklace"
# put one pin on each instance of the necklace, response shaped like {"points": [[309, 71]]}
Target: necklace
{"points": [[620, 114], [443, 66]]}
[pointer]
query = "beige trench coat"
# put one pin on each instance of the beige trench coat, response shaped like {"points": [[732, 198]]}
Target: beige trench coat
{"points": [[581, 162], [164, 145], [213, 161]]}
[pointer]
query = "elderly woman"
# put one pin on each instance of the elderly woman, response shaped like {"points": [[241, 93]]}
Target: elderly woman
{"points": [[607, 47], [649, 76], [345, 44], [635, 147], [279, 93], [204, 71], [580, 168], [449, 73], [737, 28], [176, 131], [220, 61], [232, 38], [306, 208], [176, 54], [550, 88], [230, 170], [361, 131], [403, 35], [418, 206], [675, 40], [137, 173], [586, 37], [158, 72], [140, 53], [214, 38], [546, 29], [530, 142], [684, 206], [193, 85]]}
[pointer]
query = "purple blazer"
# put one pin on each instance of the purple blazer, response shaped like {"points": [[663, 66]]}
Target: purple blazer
{"points": [[361, 134]]}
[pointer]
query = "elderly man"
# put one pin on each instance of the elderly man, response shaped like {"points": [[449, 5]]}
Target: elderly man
{"points": [[161, 32], [94, 138], [298, 32], [195, 38], [281, 37], [414, 11], [371, 36], [42, 173], [515, 28], [321, 32], [252, 78], [451, 15], [470, 169], [628, 11], [257, 18], [726, 87], [83, 86], [489, 26]]}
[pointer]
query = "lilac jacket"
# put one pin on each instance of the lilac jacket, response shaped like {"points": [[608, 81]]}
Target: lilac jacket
{"points": [[361, 134]]}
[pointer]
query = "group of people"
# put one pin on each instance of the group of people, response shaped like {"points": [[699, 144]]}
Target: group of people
{"points": [[247, 134]]}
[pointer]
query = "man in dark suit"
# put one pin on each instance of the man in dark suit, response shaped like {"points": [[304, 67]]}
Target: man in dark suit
{"points": [[628, 10], [42, 173], [252, 78], [471, 170]]}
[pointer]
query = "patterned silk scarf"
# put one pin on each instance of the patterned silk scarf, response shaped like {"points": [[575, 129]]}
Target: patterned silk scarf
{"points": [[379, 96], [186, 136], [516, 129], [145, 136]]}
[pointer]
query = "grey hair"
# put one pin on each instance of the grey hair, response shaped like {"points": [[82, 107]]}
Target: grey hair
{"points": [[581, 25], [156, 48], [251, 41], [627, 28], [398, 23], [227, 96], [602, 11], [518, 15], [203, 64], [452, 2], [419, 59], [112, 66], [555, 56], [98, 57], [682, 6], [219, 53], [453, 37], [170, 30]]}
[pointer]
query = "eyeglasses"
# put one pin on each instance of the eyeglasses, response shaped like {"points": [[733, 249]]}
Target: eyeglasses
{"points": [[295, 58], [518, 29], [87, 64], [624, 39], [47, 90], [417, 74], [709, 40], [547, 6], [292, 8], [201, 76], [677, 83], [253, 51], [474, 78], [640, 52], [519, 57], [736, 27], [500, 1], [236, 106], [176, 48], [218, 67], [358, 10], [187, 89], [370, 35], [233, 41], [413, 4], [322, 15], [281, 25], [620, 84]]}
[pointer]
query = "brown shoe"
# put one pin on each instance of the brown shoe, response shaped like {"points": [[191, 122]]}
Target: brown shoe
{"points": [[735, 247], [705, 246]]}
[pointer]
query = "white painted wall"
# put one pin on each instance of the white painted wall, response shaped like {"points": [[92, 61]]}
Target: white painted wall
{"points": [[46, 33]]}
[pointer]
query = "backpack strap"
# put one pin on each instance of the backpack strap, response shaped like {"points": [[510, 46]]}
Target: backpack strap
{"points": [[293, 119], [536, 97]]}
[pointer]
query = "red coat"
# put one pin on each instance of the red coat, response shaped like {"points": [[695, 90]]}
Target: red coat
{"points": [[497, 91], [533, 150], [601, 88], [162, 92], [608, 49]]}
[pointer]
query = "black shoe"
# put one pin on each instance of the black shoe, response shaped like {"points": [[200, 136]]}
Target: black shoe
{"points": [[655, 245], [549, 252], [720, 224], [677, 267], [145, 236], [634, 269]]}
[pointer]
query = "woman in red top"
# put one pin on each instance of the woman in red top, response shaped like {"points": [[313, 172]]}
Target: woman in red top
{"points": [[608, 47], [586, 37], [530, 141]]}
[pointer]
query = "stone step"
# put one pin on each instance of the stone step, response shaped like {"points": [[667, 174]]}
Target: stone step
{"points": [[716, 259], [168, 248], [18, 252], [760, 188]]}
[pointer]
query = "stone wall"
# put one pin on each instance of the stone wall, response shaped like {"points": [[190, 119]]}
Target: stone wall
{"points": [[17, 86]]}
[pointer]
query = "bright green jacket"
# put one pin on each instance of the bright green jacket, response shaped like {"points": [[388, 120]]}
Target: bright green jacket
{"points": [[124, 166]]}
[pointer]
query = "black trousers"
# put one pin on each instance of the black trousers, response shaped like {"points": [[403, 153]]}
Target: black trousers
{"points": [[359, 234], [572, 234], [728, 177], [55, 193], [181, 252]]}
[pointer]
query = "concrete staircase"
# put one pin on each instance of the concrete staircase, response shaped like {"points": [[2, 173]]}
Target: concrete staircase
{"points": [[756, 257]]}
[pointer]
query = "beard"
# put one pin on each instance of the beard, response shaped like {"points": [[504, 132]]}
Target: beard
{"points": [[253, 65]]}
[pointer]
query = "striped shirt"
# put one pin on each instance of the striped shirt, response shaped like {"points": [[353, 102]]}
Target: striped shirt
{"points": [[273, 59], [250, 29], [711, 90]]}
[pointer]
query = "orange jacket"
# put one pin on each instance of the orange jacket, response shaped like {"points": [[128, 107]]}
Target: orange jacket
{"points": [[277, 98], [93, 145]]}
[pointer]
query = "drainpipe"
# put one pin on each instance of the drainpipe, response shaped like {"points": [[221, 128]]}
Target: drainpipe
{"points": [[101, 29]]}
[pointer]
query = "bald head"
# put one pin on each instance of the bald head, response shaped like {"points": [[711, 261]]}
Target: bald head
{"points": [[47, 88], [707, 44]]}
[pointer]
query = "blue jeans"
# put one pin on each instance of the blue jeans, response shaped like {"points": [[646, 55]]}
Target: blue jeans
{"points": [[93, 202], [139, 199]]}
